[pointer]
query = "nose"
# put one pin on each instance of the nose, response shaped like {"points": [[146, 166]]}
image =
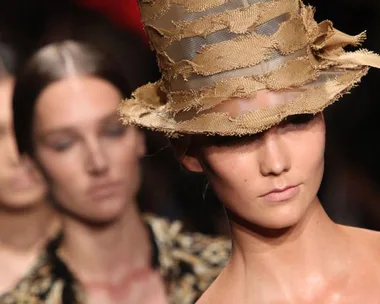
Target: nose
{"points": [[96, 159], [275, 156]]}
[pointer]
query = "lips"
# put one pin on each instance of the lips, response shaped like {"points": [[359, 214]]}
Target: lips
{"points": [[103, 191], [281, 194]]}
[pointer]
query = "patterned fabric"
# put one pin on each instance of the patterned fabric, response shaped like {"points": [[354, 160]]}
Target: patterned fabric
{"points": [[188, 263]]}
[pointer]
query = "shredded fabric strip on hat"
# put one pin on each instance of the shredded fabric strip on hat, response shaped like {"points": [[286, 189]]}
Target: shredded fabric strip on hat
{"points": [[217, 56]]}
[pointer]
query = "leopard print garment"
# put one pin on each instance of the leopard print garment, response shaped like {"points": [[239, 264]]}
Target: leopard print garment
{"points": [[188, 263]]}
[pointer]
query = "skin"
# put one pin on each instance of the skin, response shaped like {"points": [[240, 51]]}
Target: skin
{"points": [[92, 163], [21, 185], [27, 221], [285, 247]]}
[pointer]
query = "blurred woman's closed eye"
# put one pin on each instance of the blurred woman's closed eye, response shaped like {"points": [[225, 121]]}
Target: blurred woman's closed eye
{"points": [[114, 130], [62, 146], [59, 144]]}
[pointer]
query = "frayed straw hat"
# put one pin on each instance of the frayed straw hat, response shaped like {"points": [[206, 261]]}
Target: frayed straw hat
{"points": [[221, 58]]}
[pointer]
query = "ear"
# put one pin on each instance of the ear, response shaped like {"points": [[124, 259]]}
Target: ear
{"points": [[192, 163]]}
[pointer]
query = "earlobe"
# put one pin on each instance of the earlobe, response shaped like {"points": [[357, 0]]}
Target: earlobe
{"points": [[192, 164]]}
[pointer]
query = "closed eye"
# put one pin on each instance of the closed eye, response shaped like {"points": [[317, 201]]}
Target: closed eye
{"points": [[228, 141], [298, 120], [61, 145], [114, 130]]}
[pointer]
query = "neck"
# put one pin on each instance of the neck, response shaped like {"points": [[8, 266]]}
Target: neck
{"points": [[106, 253], [293, 256], [28, 229]]}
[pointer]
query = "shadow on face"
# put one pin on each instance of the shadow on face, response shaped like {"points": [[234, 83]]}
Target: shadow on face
{"points": [[268, 179]]}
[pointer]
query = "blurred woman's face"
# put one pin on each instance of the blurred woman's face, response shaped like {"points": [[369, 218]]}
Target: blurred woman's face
{"points": [[21, 185], [269, 179], [90, 158]]}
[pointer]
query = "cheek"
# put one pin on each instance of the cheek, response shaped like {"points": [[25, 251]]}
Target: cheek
{"points": [[62, 171], [230, 173], [34, 172], [229, 167], [8, 156], [124, 153], [125, 167], [3, 166], [124, 159], [308, 158]]}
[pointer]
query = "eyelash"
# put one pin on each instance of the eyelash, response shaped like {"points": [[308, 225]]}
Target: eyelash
{"points": [[298, 120], [62, 146], [223, 141]]}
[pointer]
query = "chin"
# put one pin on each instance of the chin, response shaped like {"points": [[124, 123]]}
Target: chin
{"points": [[280, 223], [101, 220], [19, 201], [103, 214], [278, 217], [285, 216]]}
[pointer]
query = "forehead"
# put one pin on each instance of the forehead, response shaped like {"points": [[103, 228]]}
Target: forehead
{"points": [[6, 87], [76, 101]]}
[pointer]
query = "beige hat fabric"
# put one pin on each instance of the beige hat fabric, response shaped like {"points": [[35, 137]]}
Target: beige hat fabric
{"points": [[213, 53]]}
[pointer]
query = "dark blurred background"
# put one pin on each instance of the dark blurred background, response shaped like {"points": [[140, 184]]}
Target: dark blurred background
{"points": [[350, 191]]}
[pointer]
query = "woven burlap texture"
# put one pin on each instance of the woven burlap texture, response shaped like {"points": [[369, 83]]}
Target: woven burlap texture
{"points": [[210, 51]]}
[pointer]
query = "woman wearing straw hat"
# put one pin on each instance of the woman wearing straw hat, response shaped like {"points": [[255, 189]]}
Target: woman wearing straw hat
{"points": [[242, 93]]}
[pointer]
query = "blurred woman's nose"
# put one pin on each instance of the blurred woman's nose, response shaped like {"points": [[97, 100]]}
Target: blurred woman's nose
{"points": [[274, 154], [96, 158]]}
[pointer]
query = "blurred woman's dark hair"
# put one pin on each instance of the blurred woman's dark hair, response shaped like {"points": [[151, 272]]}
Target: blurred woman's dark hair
{"points": [[7, 60], [50, 64]]}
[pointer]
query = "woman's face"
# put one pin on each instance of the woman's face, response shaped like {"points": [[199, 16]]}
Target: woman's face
{"points": [[269, 179], [21, 185], [90, 158]]}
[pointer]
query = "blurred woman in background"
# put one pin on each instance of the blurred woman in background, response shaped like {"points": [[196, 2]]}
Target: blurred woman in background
{"points": [[26, 219], [65, 113]]}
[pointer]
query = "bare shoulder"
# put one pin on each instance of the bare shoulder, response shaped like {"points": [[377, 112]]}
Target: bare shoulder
{"points": [[204, 299], [210, 296], [368, 239]]}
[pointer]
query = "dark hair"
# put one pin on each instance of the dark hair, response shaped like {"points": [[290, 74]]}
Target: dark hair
{"points": [[52, 63], [7, 60]]}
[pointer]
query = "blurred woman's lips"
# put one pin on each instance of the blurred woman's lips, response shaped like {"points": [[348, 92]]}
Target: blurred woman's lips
{"points": [[281, 194], [102, 191]]}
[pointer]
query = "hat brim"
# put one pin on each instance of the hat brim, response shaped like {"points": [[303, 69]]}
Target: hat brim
{"points": [[148, 111]]}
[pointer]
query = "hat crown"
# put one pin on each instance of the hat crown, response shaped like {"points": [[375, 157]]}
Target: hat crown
{"points": [[211, 52], [182, 28], [201, 43]]}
